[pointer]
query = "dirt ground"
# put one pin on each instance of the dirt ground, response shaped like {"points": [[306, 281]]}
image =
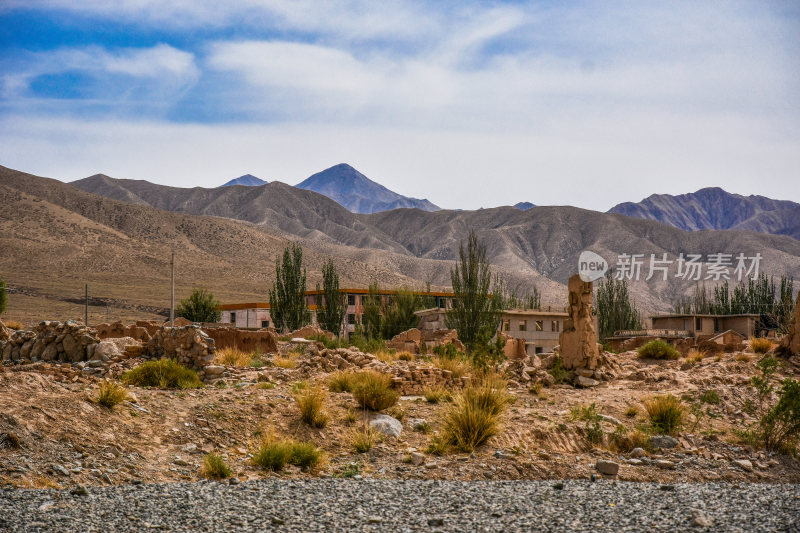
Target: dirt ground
{"points": [[163, 435]]}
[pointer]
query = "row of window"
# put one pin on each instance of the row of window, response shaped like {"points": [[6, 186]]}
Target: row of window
{"points": [[264, 323], [538, 325]]}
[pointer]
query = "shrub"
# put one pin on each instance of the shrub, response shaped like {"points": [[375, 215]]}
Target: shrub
{"points": [[266, 385], [632, 411], [761, 345], [305, 455], [742, 358], [710, 396], [473, 416], [397, 412], [422, 427], [373, 390], [438, 445], [273, 454], [285, 362], [214, 467], [665, 412], [658, 349], [536, 390], [110, 394], [619, 440], [364, 439], [457, 366], [594, 432], [341, 381], [312, 404], [163, 374], [199, 306], [405, 356], [437, 395], [231, 357], [695, 356], [351, 417], [558, 371]]}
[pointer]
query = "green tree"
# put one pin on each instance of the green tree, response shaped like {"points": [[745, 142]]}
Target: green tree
{"points": [[199, 306], [3, 297], [398, 315], [475, 313], [287, 299], [331, 314], [373, 309], [615, 308]]}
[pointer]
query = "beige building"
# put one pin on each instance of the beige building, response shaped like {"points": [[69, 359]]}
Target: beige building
{"points": [[703, 327], [539, 329]]}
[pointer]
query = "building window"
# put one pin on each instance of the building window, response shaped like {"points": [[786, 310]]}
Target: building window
{"points": [[698, 323], [351, 318], [538, 350], [523, 325], [540, 325], [351, 300], [233, 318], [555, 325], [265, 323], [506, 325]]}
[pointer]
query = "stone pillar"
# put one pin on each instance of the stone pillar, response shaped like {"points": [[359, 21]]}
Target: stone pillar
{"points": [[578, 340], [790, 343]]}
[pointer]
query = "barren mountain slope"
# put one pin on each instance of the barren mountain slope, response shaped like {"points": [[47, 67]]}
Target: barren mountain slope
{"points": [[714, 208], [276, 205], [55, 238]]}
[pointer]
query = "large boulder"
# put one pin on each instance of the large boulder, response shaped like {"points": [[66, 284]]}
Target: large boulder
{"points": [[387, 425]]}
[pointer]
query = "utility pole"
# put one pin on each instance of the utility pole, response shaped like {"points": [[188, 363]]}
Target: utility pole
{"points": [[86, 308], [172, 300]]}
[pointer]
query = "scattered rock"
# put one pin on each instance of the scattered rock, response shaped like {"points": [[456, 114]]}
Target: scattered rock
{"points": [[663, 463], [586, 383], [79, 490], [744, 464], [387, 425], [699, 519], [609, 468], [663, 441], [637, 452], [58, 469], [417, 458]]}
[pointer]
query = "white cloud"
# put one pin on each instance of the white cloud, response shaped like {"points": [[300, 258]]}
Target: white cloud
{"points": [[160, 70]]}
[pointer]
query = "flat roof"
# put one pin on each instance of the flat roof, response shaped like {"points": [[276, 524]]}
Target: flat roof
{"points": [[385, 292], [704, 315], [534, 312], [251, 305]]}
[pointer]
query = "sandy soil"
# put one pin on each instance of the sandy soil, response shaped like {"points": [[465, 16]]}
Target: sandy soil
{"points": [[67, 439]]}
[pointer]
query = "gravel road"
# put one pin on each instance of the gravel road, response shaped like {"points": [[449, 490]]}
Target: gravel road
{"points": [[370, 505]]}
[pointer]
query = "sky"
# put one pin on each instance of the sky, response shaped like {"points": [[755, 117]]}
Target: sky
{"points": [[468, 104]]}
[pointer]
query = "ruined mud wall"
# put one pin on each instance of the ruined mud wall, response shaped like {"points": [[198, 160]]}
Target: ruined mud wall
{"points": [[67, 342]]}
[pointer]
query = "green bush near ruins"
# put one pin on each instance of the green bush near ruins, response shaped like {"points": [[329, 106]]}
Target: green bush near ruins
{"points": [[162, 374]]}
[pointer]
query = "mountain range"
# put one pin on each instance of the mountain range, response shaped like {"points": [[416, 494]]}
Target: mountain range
{"points": [[715, 208], [248, 180], [352, 189], [117, 234]]}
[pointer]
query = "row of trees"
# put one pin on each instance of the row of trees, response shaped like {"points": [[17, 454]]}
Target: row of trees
{"points": [[616, 310], [761, 296]]}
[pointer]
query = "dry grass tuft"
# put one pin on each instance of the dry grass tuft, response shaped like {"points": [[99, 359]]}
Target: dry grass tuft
{"points": [[364, 438], [474, 415], [632, 411], [162, 374], [110, 394], [742, 358], [761, 345], [286, 362], [275, 453], [233, 357], [341, 381], [457, 365], [665, 413], [373, 390], [436, 395], [214, 467], [695, 356], [312, 406], [13, 324]]}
